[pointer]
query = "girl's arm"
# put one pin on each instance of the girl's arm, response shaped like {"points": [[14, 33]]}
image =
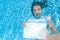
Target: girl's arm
{"points": [[51, 24]]}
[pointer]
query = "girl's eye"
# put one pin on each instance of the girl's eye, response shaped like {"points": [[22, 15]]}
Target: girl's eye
{"points": [[38, 9], [34, 10]]}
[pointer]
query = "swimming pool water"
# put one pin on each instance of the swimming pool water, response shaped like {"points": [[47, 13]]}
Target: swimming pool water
{"points": [[14, 12]]}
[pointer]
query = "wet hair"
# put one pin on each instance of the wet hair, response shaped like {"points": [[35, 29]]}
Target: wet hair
{"points": [[41, 4], [34, 4]]}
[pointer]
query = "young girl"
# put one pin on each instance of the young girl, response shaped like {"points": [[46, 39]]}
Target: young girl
{"points": [[36, 26]]}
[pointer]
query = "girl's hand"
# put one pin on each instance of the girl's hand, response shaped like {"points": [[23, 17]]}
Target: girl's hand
{"points": [[49, 18], [24, 24]]}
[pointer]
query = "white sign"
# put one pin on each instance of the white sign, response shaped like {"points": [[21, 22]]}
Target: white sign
{"points": [[35, 30]]}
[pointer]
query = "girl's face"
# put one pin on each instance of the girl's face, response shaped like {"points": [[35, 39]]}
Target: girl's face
{"points": [[37, 11]]}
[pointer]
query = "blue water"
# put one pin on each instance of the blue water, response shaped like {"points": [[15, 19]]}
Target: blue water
{"points": [[14, 12]]}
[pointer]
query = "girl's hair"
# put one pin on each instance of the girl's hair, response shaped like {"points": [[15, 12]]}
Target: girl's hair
{"points": [[41, 4]]}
